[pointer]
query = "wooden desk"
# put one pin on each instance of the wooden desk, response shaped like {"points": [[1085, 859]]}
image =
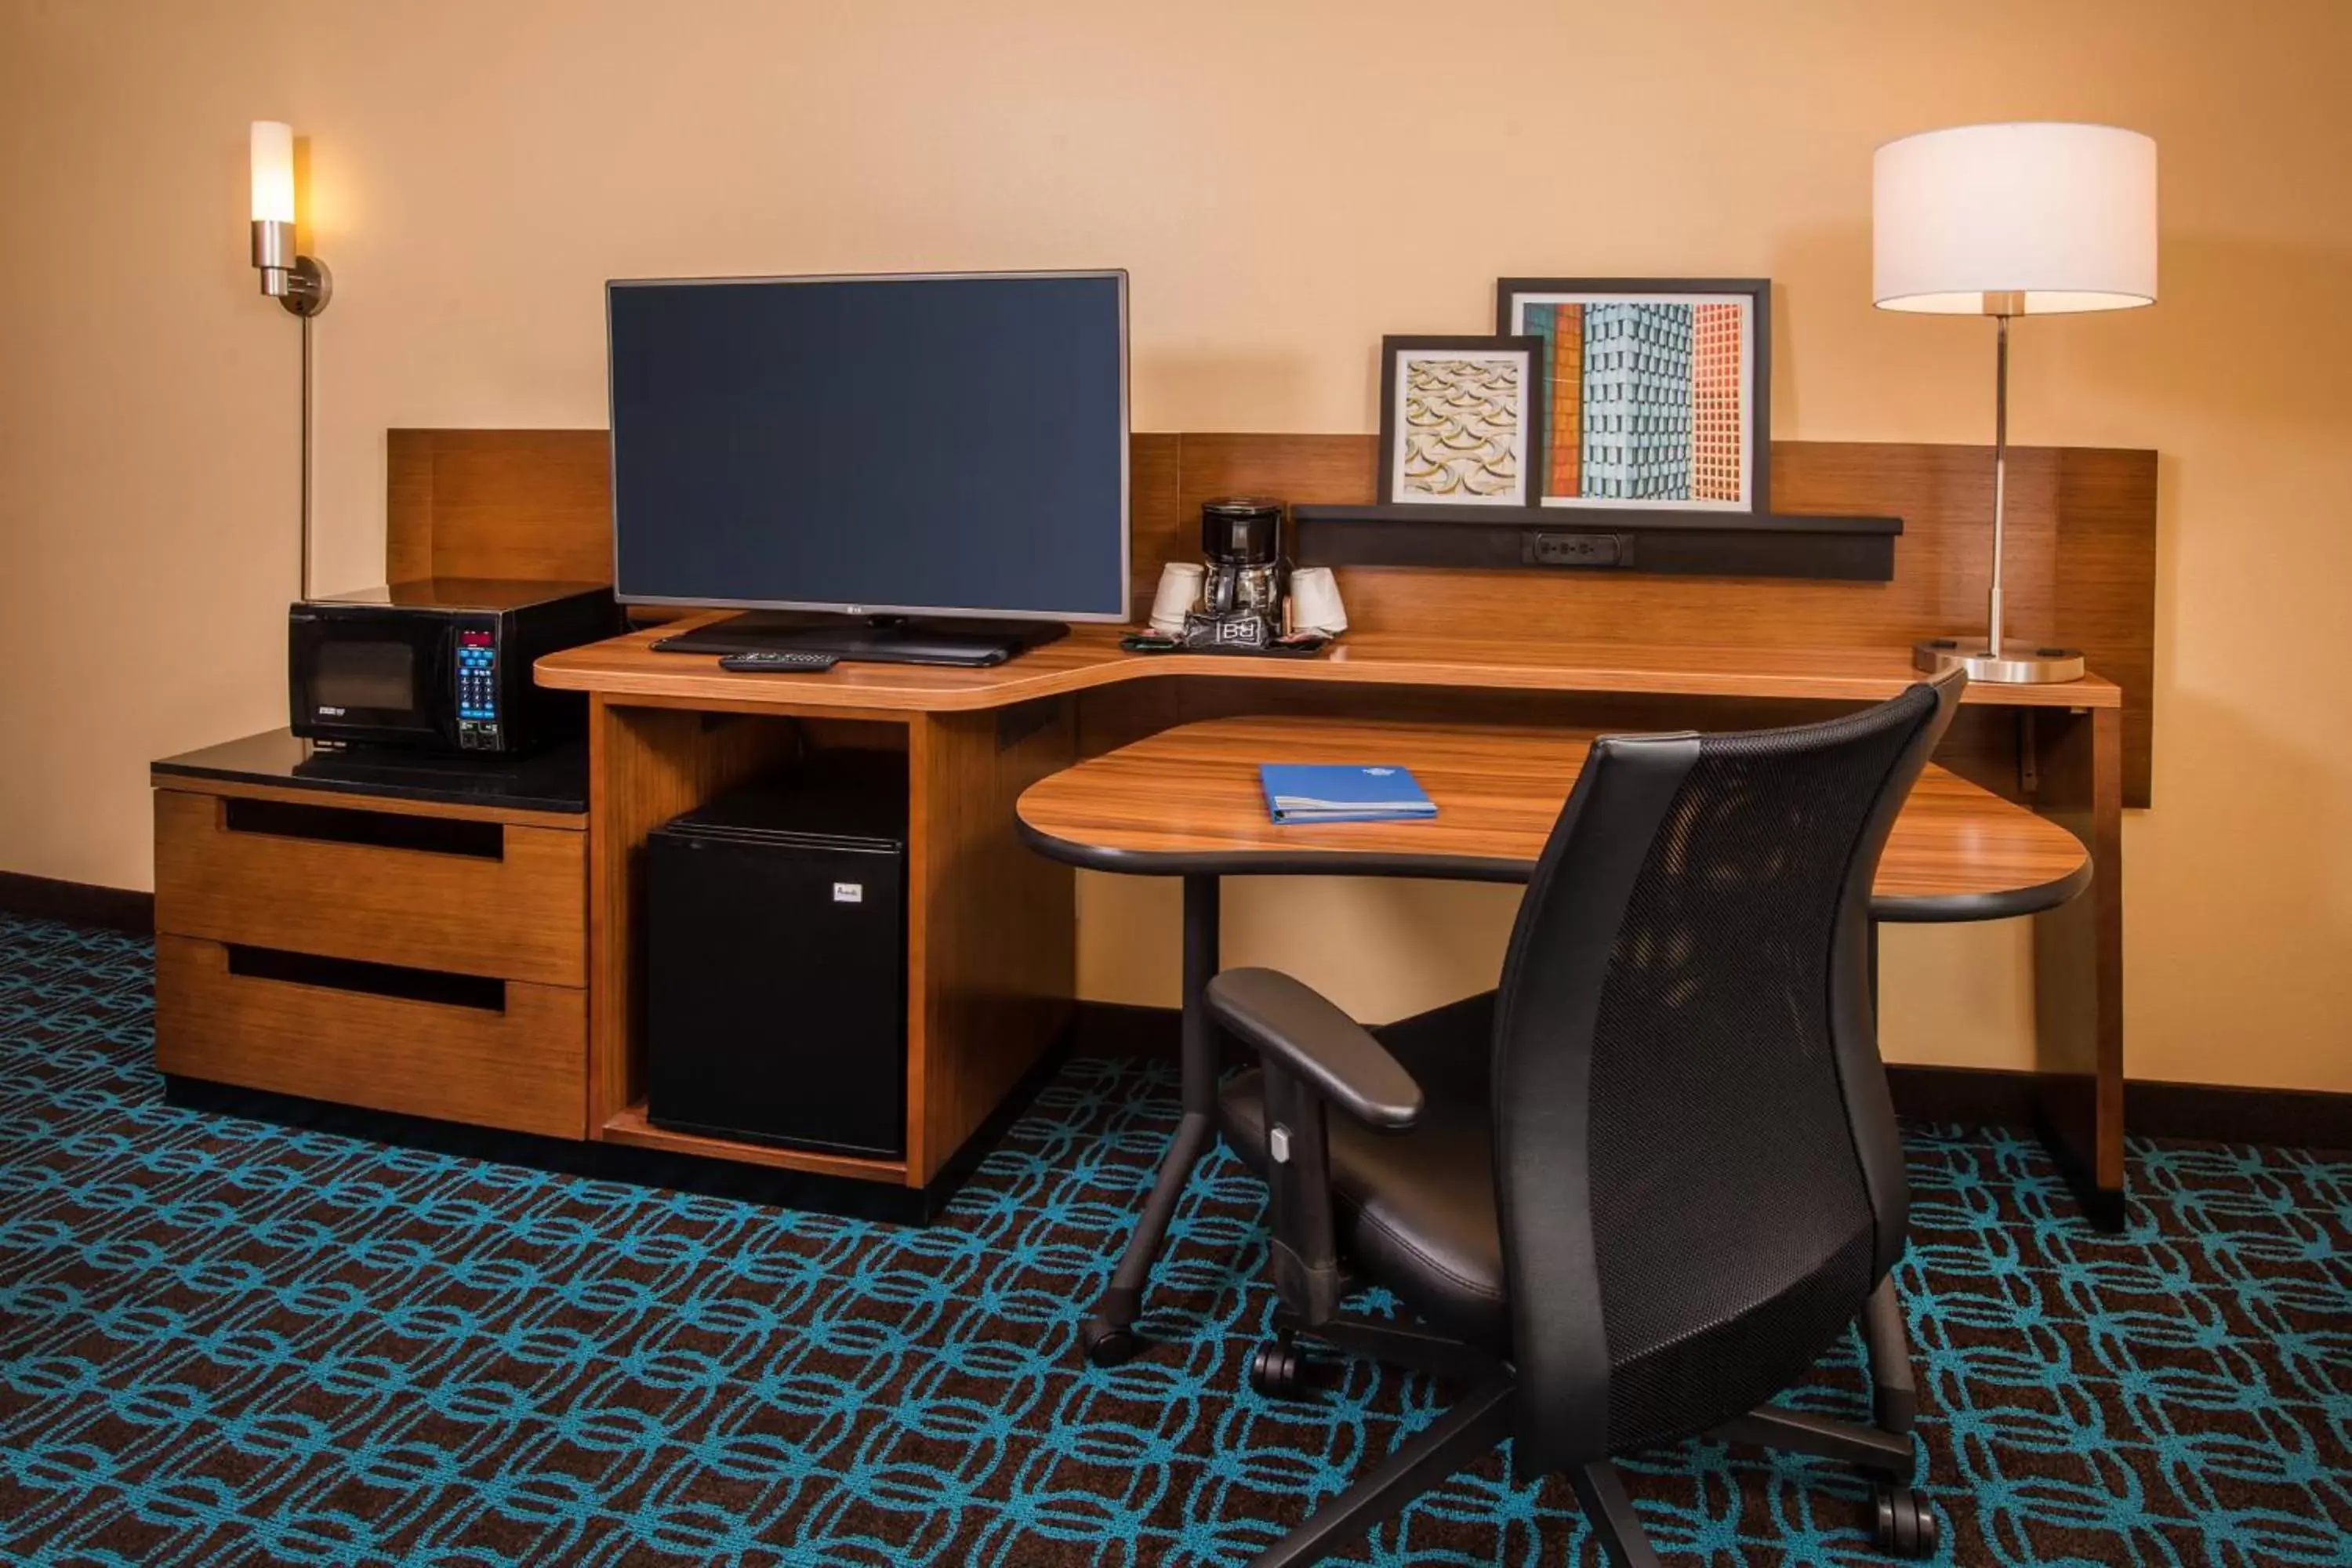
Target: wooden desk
{"points": [[1090, 658], [992, 926], [1187, 803]]}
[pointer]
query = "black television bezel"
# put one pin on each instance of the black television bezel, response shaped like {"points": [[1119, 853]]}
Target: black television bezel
{"points": [[1123, 615]]}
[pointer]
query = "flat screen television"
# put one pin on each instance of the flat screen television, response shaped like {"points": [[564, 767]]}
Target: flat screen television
{"points": [[872, 453]]}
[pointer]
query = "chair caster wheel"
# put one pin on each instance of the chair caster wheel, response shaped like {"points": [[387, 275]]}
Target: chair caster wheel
{"points": [[1107, 1344], [1905, 1525], [1278, 1370]]}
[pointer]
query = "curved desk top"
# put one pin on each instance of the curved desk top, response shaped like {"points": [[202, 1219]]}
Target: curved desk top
{"points": [[1187, 802], [626, 667]]}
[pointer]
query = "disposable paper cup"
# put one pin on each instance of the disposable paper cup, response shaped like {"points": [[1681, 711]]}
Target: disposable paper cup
{"points": [[1180, 590], [1315, 601]]}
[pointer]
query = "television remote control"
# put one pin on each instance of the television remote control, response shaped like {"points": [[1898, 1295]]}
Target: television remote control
{"points": [[780, 662]]}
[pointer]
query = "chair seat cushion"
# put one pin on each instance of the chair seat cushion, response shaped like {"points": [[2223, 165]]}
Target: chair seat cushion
{"points": [[1414, 1211]]}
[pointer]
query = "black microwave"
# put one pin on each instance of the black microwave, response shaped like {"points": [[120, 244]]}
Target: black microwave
{"points": [[441, 664]]}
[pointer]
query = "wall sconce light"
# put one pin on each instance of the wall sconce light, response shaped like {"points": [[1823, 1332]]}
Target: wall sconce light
{"points": [[300, 283]]}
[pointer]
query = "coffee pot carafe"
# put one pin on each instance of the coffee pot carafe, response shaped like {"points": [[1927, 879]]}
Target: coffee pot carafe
{"points": [[1240, 580]]}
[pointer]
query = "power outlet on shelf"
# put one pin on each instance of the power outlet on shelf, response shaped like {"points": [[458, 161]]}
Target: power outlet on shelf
{"points": [[1575, 550]]}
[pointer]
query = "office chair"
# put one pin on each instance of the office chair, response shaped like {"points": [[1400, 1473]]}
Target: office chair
{"points": [[1641, 1187]]}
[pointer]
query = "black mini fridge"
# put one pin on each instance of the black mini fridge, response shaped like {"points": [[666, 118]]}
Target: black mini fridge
{"points": [[776, 961]]}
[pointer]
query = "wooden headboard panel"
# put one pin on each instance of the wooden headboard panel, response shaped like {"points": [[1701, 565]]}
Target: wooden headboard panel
{"points": [[2082, 544]]}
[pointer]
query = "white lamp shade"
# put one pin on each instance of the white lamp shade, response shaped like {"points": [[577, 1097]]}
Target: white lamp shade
{"points": [[2052, 218], [273, 171]]}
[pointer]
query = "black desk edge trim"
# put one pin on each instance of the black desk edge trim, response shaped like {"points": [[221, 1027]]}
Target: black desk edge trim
{"points": [[1963, 909], [1942, 909]]}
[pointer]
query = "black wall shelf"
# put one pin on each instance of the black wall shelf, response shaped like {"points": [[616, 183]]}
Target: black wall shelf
{"points": [[1582, 539]]}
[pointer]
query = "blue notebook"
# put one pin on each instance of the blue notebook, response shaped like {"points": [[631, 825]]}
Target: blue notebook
{"points": [[1330, 791]]}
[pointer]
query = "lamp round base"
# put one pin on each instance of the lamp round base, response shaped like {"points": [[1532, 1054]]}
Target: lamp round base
{"points": [[2014, 664]]}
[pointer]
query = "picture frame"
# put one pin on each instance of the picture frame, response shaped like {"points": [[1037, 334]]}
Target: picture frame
{"points": [[1662, 402], [1461, 421]]}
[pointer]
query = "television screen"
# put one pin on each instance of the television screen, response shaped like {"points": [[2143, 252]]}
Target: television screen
{"points": [[952, 444]]}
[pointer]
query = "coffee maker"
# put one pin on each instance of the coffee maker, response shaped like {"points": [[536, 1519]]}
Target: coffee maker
{"points": [[1240, 580]]}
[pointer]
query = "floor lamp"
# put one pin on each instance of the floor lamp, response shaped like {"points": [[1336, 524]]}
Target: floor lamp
{"points": [[2004, 221]]}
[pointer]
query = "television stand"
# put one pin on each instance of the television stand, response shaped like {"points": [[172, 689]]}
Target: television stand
{"points": [[873, 639]]}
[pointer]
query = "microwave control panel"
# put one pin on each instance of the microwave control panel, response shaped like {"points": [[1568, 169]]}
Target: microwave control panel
{"points": [[479, 719]]}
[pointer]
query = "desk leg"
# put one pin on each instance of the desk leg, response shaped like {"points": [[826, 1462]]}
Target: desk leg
{"points": [[2078, 961], [1108, 1337]]}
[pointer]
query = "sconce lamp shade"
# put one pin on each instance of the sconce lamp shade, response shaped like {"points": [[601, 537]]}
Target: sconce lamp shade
{"points": [[273, 171], [2014, 220], [300, 283]]}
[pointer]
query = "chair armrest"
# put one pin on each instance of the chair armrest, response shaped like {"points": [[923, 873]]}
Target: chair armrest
{"points": [[1296, 1026]]}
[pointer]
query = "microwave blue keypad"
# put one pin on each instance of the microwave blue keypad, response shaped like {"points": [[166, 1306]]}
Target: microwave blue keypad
{"points": [[478, 695]]}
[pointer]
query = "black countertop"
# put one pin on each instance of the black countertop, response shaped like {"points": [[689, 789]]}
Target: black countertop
{"points": [[550, 781]]}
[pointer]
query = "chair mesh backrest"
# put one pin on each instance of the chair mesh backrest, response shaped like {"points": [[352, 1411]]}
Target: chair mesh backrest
{"points": [[1732, 1232]]}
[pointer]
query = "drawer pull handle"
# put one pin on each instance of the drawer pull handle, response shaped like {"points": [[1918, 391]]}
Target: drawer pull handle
{"points": [[377, 829], [393, 980]]}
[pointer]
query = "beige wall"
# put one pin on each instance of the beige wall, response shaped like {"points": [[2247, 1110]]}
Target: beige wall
{"points": [[1287, 181]]}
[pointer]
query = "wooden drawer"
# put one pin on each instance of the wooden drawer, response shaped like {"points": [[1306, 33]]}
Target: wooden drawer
{"points": [[429, 892], [524, 1066]]}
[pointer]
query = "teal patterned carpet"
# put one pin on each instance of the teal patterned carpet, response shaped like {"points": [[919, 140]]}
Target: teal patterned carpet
{"points": [[226, 1342]]}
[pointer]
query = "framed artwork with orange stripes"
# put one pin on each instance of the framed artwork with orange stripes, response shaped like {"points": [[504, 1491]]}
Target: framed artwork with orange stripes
{"points": [[1656, 390]]}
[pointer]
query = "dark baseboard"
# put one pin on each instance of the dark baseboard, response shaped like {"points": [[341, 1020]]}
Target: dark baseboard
{"points": [[1976, 1096], [1124, 1031], [2209, 1112], [1980, 1097], [2225, 1113], [125, 910]]}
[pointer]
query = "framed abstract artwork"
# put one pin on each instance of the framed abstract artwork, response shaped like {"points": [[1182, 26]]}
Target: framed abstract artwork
{"points": [[1658, 389], [1461, 421]]}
